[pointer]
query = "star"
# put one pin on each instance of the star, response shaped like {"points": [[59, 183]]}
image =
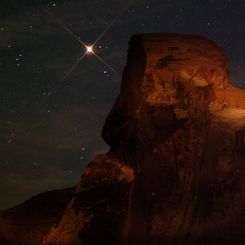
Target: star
{"points": [[89, 49]]}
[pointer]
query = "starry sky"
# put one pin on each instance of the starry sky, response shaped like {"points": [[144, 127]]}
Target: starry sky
{"points": [[50, 121]]}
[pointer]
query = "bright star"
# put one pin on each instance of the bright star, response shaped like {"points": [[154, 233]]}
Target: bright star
{"points": [[89, 49]]}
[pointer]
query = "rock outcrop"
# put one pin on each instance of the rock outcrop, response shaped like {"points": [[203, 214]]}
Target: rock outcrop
{"points": [[175, 170], [173, 174]]}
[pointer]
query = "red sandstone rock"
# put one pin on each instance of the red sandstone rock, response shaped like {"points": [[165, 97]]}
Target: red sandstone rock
{"points": [[174, 174], [173, 124]]}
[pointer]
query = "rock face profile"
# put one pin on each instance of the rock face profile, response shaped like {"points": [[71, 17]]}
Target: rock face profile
{"points": [[175, 170]]}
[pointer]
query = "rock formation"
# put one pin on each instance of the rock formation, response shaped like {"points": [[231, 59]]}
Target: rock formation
{"points": [[175, 170], [173, 174]]}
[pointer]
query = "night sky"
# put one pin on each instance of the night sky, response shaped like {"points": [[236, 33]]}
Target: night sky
{"points": [[50, 126]]}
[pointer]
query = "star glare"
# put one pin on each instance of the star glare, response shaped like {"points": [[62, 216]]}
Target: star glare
{"points": [[89, 49]]}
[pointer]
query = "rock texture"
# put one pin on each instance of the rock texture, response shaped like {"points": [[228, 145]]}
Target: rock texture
{"points": [[96, 213], [27, 223], [175, 172]]}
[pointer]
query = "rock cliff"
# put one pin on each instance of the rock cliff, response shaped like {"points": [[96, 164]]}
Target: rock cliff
{"points": [[174, 174], [175, 170]]}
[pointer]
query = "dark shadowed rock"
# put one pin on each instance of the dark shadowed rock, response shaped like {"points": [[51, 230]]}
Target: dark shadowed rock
{"points": [[97, 211]]}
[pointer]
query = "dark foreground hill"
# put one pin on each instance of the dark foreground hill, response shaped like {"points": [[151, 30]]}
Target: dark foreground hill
{"points": [[29, 222]]}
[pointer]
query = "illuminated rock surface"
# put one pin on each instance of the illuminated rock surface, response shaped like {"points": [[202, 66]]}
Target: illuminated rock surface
{"points": [[175, 171]]}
